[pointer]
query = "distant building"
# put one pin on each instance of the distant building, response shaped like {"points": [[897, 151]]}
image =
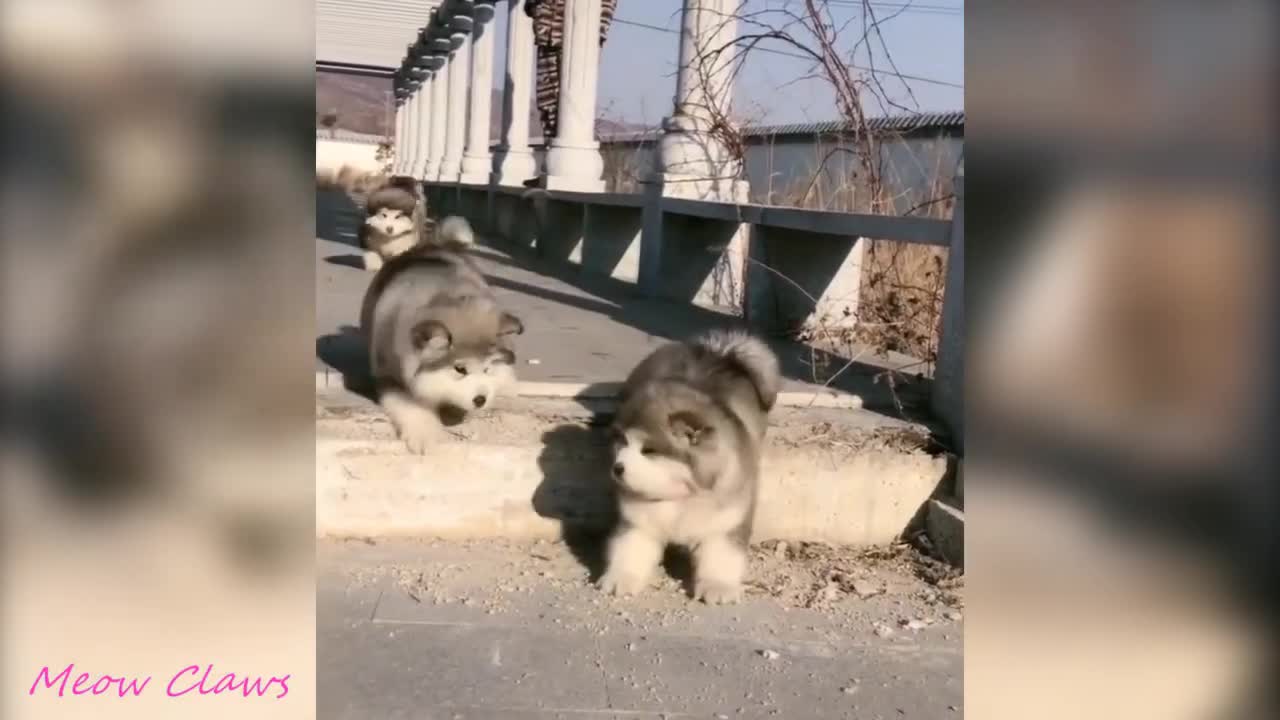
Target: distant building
{"points": [[920, 153]]}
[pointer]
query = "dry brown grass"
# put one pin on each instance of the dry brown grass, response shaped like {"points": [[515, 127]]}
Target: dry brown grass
{"points": [[900, 305], [386, 155], [899, 308]]}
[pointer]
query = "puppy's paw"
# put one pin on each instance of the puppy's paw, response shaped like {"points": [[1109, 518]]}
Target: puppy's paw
{"points": [[621, 584], [417, 438], [417, 443], [372, 261], [416, 425], [715, 592]]}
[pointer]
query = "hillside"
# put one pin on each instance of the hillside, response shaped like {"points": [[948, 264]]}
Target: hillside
{"points": [[360, 103]]}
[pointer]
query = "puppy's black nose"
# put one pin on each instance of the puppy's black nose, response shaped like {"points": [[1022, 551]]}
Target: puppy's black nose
{"points": [[478, 400], [618, 469]]}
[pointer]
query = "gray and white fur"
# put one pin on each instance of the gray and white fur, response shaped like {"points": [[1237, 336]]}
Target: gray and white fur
{"points": [[440, 346], [687, 440], [395, 220]]}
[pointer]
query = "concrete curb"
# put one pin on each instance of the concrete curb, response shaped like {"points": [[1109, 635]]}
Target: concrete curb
{"points": [[534, 464], [824, 398], [945, 524]]}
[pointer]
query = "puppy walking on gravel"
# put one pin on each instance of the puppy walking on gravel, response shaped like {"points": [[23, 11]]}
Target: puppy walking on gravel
{"points": [[439, 344], [686, 447]]}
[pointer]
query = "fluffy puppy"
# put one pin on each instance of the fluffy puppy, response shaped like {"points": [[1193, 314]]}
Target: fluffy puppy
{"points": [[394, 222], [395, 219], [439, 344], [686, 448]]}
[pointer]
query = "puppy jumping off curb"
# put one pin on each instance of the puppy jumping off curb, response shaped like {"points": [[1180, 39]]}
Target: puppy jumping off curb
{"points": [[686, 447], [439, 344], [395, 211]]}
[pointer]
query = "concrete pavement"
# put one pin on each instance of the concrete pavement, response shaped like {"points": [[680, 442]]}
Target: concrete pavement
{"points": [[505, 631], [579, 328]]}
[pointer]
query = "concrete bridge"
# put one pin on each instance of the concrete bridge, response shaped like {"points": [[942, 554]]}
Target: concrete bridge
{"points": [[600, 279], [690, 236]]}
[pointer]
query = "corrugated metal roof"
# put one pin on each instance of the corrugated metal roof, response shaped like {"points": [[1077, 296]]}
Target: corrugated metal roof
{"points": [[368, 32], [892, 123]]}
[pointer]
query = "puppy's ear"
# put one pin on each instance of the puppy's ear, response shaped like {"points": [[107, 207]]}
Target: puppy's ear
{"points": [[509, 324], [431, 335], [689, 427]]}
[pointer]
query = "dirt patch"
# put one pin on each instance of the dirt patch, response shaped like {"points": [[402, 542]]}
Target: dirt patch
{"points": [[835, 436], [818, 575], [881, 590]]}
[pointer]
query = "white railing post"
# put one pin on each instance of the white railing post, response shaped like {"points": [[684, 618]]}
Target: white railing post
{"points": [[427, 128], [411, 140], [477, 161], [513, 164], [397, 140], [947, 399], [693, 162], [456, 104], [573, 158], [437, 45], [438, 87], [422, 126]]}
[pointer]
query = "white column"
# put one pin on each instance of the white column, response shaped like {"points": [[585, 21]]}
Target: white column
{"points": [[397, 140], [455, 132], [573, 160], [477, 161], [692, 163], [688, 152], [514, 163], [410, 137], [439, 101], [422, 129]]}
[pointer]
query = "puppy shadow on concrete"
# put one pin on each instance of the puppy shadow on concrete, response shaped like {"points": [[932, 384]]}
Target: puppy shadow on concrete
{"points": [[351, 261], [338, 217], [347, 352], [577, 491]]}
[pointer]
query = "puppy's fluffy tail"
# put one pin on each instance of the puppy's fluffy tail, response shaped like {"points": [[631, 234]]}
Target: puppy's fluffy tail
{"points": [[751, 356], [454, 233]]}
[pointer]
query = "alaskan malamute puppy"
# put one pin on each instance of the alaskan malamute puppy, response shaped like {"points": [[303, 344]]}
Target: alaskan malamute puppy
{"points": [[394, 222], [439, 344], [395, 210], [686, 449]]}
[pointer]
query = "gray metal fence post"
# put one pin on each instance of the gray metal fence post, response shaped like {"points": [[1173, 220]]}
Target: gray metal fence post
{"points": [[948, 378]]}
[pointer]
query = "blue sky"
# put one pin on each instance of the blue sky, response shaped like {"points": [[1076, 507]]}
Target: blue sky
{"points": [[637, 74]]}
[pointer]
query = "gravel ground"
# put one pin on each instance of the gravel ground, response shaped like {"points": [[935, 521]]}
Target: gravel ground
{"points": [[499, 629]]}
